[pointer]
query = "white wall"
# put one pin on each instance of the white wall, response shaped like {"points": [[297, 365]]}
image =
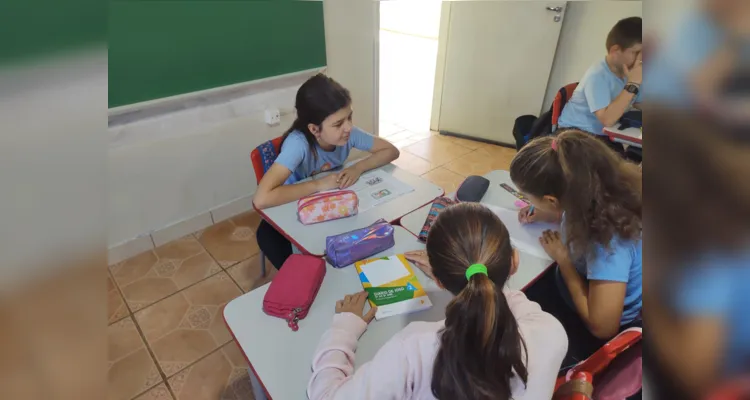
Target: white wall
{"points": [[177, 173], [582, 39], [351, 29]]}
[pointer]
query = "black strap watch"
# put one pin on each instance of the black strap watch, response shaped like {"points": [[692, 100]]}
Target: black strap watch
{"points": [[632, 88]]}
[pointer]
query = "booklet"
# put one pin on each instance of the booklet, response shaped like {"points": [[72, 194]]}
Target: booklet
{"points": [[524, 237], [392, 286]]}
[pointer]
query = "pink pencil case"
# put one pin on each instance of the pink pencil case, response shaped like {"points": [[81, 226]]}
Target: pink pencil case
{"points": [[327, 206]]}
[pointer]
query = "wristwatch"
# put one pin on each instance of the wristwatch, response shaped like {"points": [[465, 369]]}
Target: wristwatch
{"points": [[632, 88]]}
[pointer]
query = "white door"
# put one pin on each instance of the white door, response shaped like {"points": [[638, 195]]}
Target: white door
{"points": [[351, 29], [497, 61]]}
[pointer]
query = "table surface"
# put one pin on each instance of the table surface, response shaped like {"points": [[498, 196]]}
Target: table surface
{"points": [[310, 239], [631, 136], [281, 358], [531, 266]]}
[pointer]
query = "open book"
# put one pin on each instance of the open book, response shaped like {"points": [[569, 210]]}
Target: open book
{"points": [[392, 286]]}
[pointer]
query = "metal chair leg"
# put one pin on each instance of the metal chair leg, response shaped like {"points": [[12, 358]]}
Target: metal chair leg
{"points": [[262, 265]]}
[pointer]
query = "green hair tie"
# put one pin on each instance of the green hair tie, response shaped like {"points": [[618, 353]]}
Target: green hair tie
{"points": [[475, 269]]}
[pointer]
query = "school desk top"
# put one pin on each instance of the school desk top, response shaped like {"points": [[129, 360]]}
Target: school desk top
{"points": [[281, 358], [310, 239], [630, 136]]}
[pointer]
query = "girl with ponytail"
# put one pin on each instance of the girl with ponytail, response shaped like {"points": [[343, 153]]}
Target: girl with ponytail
{"points": [[494, 343], [578, 181], [319, 140]]}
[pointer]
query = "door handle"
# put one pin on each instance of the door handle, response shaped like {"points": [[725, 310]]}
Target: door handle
{"points": [[555, 9]]}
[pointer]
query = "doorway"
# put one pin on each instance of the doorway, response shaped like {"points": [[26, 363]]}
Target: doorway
{"points": [[408, 56]]}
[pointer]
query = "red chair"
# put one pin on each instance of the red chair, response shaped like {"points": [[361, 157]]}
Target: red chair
{"points": [[597, 364], [257, 159], [562, 97]]}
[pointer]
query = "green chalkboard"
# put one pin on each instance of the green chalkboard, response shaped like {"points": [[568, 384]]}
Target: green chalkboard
{"points": [[164, 48]]}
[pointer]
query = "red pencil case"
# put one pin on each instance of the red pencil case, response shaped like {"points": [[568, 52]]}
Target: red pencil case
{"points": [[294, 288]]}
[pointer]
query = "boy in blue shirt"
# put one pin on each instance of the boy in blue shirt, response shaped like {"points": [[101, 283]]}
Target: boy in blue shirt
{"points": [[609, 87]]}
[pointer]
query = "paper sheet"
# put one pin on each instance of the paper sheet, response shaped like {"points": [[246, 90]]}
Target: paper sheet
{"points": [[524, 237], [381, 272], [377, 187]]}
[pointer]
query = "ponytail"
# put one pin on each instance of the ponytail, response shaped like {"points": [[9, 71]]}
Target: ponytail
{"points": [[481, 348], [317, 98]]}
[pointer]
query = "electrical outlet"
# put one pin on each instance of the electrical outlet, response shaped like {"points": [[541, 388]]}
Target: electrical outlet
{"points": [[273, 116]]}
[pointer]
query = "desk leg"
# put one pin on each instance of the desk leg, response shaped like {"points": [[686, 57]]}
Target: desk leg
{"points": [[257, 388]]}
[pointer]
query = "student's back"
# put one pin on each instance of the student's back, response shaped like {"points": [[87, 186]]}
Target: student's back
{"points": [[493, 344]]}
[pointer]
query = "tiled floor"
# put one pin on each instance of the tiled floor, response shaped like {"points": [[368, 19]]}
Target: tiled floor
{"points": [[167, 338], [447, 161]]}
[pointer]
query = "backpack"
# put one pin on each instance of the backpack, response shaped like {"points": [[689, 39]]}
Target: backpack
{"points": [[528, 127]]}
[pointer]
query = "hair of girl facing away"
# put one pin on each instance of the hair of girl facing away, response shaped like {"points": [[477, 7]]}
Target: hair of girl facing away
{"points": [[317, 98], [480, 347], [600, 193]]}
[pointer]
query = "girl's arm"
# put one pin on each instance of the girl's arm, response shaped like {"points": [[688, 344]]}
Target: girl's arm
{"points": [[272, 191], [599, 299], [383, 152], [333, 377]]}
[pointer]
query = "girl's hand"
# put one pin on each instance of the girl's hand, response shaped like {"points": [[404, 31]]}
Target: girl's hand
{"points": [[524, 216], [355, 304], [419, 258], [328, 182], [348, 177], [554, 246]]}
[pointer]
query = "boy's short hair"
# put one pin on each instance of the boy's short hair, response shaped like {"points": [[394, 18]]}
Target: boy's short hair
{"points": [[626, 33]]}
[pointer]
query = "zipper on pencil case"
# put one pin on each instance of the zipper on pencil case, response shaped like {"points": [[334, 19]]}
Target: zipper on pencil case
{"points": [[323, 196]]}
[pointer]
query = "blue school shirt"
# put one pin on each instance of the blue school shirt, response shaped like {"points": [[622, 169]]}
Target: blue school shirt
{"points": [[716, 285], [622, 262], [297, 157], [598, 87]]}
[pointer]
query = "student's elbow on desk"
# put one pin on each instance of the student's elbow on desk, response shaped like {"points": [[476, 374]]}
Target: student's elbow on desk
{"points": [[603, 331], [262, 200], [605, 119]]}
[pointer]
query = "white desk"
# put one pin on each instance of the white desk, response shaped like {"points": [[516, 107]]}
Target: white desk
{"points": [[630, 136], [310, 239], [281, 358], [531, 266]]}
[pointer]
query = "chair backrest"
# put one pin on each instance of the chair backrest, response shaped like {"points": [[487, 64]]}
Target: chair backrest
{"points": [[561, 98], [603, 357], [262, 158]]}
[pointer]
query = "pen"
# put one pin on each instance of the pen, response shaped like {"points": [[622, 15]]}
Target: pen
{"points": [[531, 210]]}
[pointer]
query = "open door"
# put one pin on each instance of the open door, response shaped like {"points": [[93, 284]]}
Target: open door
{"points": [[494, 62], [351, 29]]}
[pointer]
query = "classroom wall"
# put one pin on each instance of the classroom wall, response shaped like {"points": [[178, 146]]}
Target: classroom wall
{"points": [[582, 39]]}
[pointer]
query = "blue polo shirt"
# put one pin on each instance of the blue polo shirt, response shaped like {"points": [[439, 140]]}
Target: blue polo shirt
{"points": [[596, 90]]}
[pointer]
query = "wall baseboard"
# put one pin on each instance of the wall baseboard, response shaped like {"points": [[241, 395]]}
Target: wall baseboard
{"points": [[130, 248]]}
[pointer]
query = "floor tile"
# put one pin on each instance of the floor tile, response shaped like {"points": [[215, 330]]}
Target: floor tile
{"points": [[437, 150], [156, 274], [414, 164], [130, 367], [482, 161], [399, 136], [402, 144], [469, 144], [188, 325], [247, 273], [232, 240], [222, 375], [117, 309], [387, 129], [159, 392], [448, 180]]}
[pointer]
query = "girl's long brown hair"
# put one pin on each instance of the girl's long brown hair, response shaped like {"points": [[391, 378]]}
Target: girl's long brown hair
{"points": [[481, 348], [600, 193]]}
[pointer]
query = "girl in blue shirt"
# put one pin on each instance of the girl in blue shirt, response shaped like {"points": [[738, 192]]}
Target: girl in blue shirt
{"points": [[576, 180], [319, 140]]}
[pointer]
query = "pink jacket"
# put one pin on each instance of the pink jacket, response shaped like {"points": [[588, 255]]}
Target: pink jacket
{"points": [[402, 368]]}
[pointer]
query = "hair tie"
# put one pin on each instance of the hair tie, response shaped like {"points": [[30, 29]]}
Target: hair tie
{"points": [[554, 144], [475, 269]]}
